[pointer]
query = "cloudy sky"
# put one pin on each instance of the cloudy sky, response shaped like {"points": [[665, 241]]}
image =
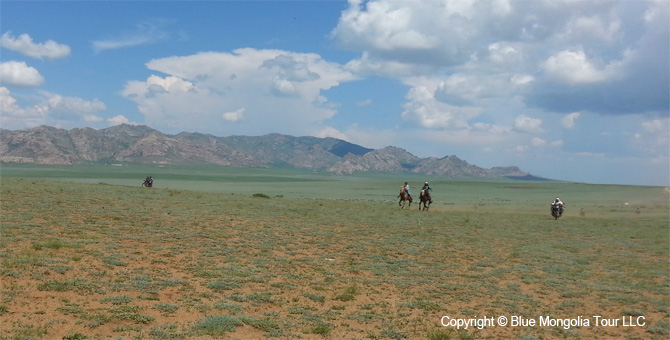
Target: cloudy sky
{"points": [[567, 89]]}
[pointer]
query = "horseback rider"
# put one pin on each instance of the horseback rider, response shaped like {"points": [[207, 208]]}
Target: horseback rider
{"points": [[405, 188], [426, 189], [558, 204]]}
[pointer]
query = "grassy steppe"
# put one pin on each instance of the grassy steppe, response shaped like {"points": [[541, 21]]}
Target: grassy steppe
{"points": [[216, 253]]}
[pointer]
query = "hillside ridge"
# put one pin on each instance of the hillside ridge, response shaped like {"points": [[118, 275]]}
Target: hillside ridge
{"points": [[142, 144]]}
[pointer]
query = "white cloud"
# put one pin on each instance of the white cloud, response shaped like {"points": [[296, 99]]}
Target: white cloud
{"points": [[424, 109], [536, 141], [504, 53], [331, 132], [117, 120], [234, 116], [524, 123], [573, 67], [7, 102], [368, 64], [12, 116], [392, 26], [73, 105], [51, 109], [279, 91], [143, 34], [590, 154], [521, 148], [569, 120], [656, 125], [364, 103], [92, 119], [522, 79], [603, 27], [24, 44], [544, 50], [18, 73], [656, 138], [539, 142]]}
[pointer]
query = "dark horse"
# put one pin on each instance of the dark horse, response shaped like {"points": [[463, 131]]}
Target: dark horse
{"points": [[425, 199], [404, 196]]}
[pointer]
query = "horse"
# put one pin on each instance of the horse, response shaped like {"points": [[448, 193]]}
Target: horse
{"points": [[425, 199], [404, 196]]}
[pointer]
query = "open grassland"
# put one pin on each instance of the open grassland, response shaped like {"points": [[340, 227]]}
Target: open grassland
{"points": [[259, 254]]}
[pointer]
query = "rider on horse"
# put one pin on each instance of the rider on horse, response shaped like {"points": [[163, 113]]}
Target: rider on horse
{"points": [[425, 190], [405, 189]]}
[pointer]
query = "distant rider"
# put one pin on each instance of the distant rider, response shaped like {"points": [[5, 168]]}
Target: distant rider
{"points": [[558, 204]]}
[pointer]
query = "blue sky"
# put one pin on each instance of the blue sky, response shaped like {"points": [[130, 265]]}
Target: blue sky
{"points": [[564, 89]]}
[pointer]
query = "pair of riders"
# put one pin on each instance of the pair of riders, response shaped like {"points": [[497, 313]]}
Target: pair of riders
{"points": [[425, 189]]}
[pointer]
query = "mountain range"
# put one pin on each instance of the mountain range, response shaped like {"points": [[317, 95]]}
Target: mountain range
{"points": [[141, 144]]}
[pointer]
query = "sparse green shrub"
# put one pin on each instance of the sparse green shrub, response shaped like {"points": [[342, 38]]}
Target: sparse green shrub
{"points": [[96, 320], [261, 297], [54, 244], [168, 332], [129, 312], [223, 285], [217, 325], [423, 304], [78, 285], [113, 261], [438, 334], [232, 308], [345, 297], [260, 195], [321, 329], [116, 300], [75, 336], [237, 297], [264, 324], [393, 334], [71, 310], [315, 297], [166, 308]]}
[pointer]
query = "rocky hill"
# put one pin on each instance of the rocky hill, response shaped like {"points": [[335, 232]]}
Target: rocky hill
{"points": [[142, 144]]}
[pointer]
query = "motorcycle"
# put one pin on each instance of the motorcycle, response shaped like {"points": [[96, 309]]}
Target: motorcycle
{"points": [[557, 211]]}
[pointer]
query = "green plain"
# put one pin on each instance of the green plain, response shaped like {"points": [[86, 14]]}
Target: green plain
{"points": [[214, 252]]}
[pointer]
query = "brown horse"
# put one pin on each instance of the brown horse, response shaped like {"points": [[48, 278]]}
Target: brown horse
{"points": [[425, 199], [404, 196]]}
